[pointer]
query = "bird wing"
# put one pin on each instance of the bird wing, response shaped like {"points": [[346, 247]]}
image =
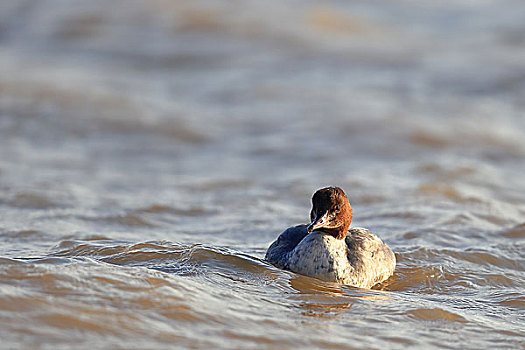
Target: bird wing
{"points": [[279, 250], [369, 255]]}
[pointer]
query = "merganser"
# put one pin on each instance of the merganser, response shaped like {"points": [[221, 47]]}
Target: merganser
{"points": [[326, 249]]}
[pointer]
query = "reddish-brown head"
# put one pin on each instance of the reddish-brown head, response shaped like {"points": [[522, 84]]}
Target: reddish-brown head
{"points": [[331, 212]]}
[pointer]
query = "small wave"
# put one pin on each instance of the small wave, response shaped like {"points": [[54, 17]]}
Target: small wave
{"points": [[22, 235], [424, 279], [436, 314], [484, 257], [437, 137], [223, 184], [447, 269], [46, 260], [449, 191], [475, 256], [67, 321], [107, 249], [447, 173], [160, 208], [9, 261], [30, 200], [127, 219], [163, 256], [429, 139], [517, 231], [146, 216], [513, 300]]}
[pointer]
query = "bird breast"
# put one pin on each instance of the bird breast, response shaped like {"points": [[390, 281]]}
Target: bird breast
{"points": [[322, 256]]}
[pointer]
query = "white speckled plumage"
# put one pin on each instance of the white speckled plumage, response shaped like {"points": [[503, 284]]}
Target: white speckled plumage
{"points": [[358, 258], [322, 256], [361, 260]]}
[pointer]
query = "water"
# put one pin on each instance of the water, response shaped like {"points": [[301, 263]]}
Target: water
{"points": [[150, 151]]}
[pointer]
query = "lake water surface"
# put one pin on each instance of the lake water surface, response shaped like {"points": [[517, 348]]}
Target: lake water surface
{"points": [[150, 151]]}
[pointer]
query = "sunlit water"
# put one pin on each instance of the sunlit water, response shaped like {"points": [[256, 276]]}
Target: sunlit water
{"points": [[150, 151]]}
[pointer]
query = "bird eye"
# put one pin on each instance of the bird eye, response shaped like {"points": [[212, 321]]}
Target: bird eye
{"points": [[338, 207]]}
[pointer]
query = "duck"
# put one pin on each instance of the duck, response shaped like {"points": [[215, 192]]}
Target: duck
{"points": [[329, 250]]}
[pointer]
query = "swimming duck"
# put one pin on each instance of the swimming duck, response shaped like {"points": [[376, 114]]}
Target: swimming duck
{"points": [[326, 249]]}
